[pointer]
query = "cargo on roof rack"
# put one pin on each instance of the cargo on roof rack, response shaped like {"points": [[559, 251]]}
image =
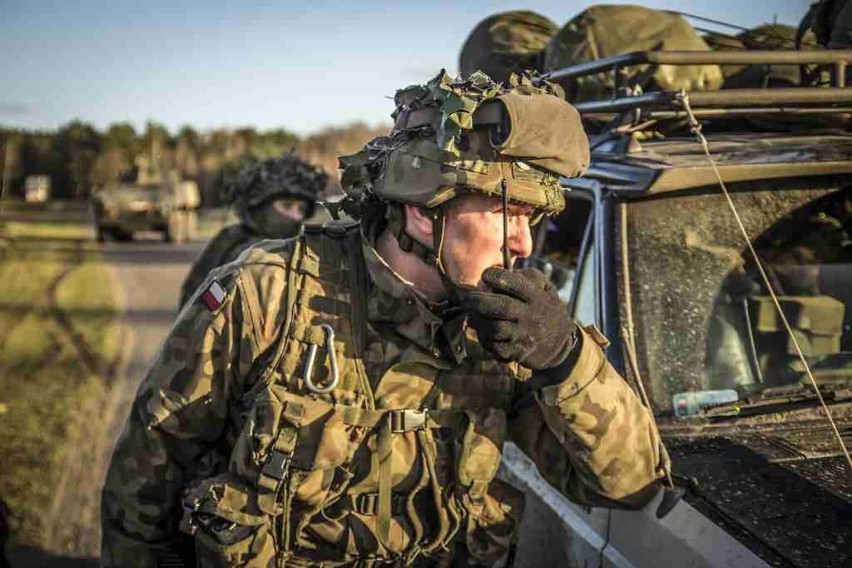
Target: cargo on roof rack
{"points": [[724, 103], [840, 58]]}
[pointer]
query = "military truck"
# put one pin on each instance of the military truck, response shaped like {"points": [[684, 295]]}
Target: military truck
{"points": [[168, 206], [649, 250]]}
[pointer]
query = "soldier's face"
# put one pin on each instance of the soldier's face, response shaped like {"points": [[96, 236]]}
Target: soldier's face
{"points": [[473, 237], [294, 209]]}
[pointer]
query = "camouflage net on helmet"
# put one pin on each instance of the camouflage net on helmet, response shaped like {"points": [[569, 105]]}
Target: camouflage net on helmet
{"points": [[456, 100], [287, 176]]}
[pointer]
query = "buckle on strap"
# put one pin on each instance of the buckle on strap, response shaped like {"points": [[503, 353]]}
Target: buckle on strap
{"points": [[365, 503], [188, 523], [406, 420], [368, 503], [276, 466]]}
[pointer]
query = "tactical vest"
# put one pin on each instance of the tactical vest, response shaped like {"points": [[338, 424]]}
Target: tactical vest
{"points": [[370, 473]]}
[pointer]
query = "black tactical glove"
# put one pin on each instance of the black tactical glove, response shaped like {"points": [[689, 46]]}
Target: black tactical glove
{"points": [[522, 319]]}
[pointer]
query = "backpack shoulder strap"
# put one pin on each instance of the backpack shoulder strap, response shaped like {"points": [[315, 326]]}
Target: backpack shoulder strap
{"points": [[265, 367], [333, 251], [360, 288]]}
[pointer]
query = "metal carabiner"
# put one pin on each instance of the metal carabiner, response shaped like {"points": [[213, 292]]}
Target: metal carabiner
{"points": [[309, 363]]}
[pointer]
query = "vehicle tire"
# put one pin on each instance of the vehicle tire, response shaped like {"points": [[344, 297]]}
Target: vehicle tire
{"points": [[100, 233], [122, 236], [191, 225], [185, 227], [175, 228]]}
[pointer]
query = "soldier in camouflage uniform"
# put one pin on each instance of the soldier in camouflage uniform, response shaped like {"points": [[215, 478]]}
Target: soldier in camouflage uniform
{"points": [[271, 198], [343, 398]]}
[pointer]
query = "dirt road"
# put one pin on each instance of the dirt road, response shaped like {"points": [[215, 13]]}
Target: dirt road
{"points": [[147, 275]]}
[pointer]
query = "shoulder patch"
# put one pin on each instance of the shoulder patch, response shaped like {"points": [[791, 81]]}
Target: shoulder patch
{"points": [[214, 296]]}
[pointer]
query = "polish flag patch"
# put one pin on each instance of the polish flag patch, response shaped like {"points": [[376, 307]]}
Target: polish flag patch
{"points": [[213, 296]]}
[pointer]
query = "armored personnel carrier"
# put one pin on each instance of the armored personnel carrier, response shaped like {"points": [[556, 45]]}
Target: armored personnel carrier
{"points": [[168, 206], [744, 359]]}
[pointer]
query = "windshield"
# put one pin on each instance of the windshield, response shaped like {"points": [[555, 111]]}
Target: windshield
{"points": [[703, 318]]}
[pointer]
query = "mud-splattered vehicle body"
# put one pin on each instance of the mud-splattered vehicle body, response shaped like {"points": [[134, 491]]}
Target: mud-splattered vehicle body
{"points": [[649, 250], [169, 208]]}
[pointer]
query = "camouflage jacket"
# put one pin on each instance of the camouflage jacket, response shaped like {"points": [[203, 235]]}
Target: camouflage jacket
{"points": [[222, 249], [397, 462]]}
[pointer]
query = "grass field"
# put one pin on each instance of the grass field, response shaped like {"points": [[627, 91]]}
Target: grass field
{"points": [[58, 345]]}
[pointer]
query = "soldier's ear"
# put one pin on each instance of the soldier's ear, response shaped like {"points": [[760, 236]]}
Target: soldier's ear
{"points": [[418, 224]]}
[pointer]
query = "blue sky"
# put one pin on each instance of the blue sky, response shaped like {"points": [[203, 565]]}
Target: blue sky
{"points": [[296, 65]]}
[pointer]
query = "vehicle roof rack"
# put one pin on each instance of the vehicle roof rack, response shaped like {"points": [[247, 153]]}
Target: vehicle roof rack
{"points": [[630, 105]]}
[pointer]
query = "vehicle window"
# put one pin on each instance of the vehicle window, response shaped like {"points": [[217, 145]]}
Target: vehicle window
{"points": [[585, 305], [558, 242], [703, 317]]}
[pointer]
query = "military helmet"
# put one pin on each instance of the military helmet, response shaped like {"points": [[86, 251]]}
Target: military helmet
{"points": [[474, 135], [454, 136], [505, 43], [273, 178]]}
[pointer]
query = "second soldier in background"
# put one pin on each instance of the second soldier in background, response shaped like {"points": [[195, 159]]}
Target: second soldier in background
{"points": [[272, 199]]}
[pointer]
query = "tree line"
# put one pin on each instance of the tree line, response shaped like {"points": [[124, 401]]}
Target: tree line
{"points": [[79, 158]]}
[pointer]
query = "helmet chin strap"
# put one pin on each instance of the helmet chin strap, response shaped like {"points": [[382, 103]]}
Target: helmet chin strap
{"points": [[431, 256], [456, 290], [434, 256]]}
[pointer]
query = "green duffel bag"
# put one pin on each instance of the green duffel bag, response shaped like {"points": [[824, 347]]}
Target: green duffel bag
{"points": [[831, 20], [505, 43], [605, 30], [766, 37]]}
